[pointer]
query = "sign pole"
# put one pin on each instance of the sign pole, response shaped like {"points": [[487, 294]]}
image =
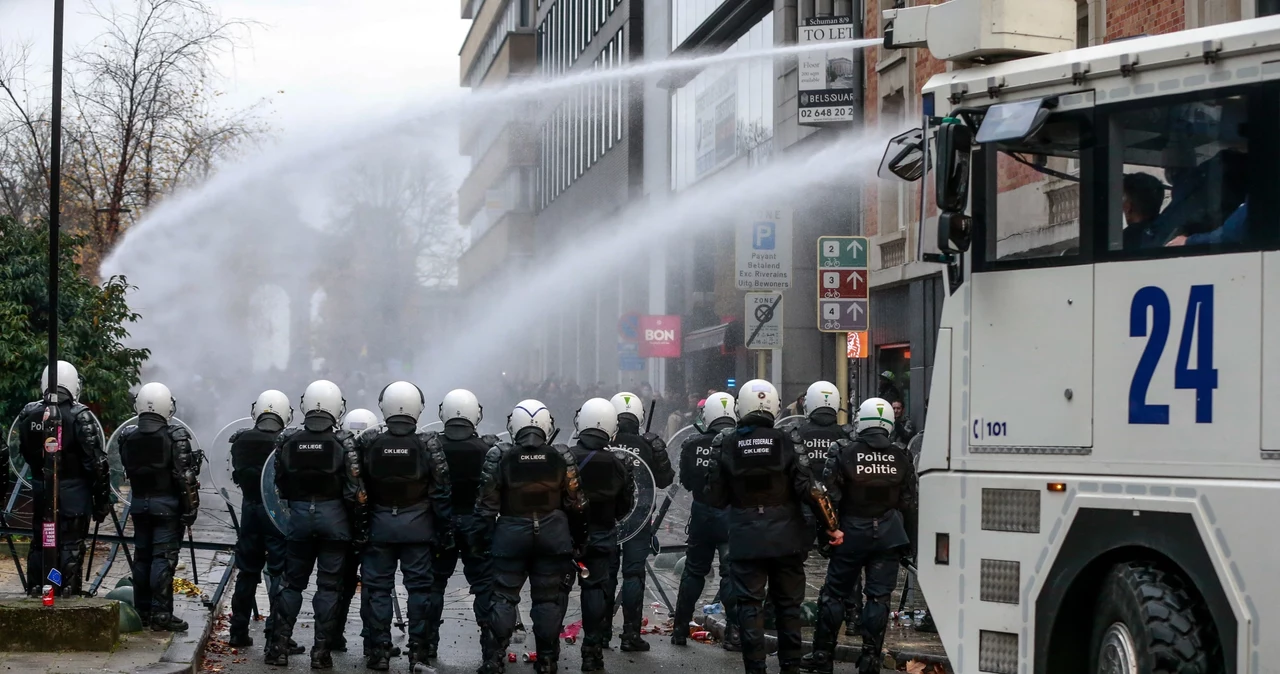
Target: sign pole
{"points": [[842, 374], [760, 367], [52, 422], [775, 363]]}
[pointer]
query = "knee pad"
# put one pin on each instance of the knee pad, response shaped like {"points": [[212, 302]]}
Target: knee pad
{"points": [[169, 551], [875, 618]]}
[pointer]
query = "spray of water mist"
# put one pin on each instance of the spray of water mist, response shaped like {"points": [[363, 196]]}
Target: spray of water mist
{"points": [[201, 259]]}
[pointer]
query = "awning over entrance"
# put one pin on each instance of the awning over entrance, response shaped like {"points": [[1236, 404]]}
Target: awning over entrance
{"points": [[722, 337]]}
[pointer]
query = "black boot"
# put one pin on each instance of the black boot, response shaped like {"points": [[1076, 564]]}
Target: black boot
{"points": [[678, 638], [278, 652], [631, 640], [339, 645], [592, 659], [321, 658], [167, 622], [732, 638], [419, 653], [817, 661], [240, 638], [379, 659], [295, 648], [869, 660], [547, 665]]}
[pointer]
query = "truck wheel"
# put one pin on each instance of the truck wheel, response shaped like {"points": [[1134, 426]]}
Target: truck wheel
{"points": [[1146, 622]]}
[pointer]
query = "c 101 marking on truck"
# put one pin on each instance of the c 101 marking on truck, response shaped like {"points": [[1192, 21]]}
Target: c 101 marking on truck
{"points": [[1197, 323], [994, 429]]}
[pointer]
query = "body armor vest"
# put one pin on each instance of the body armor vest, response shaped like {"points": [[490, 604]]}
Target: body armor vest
{"points": [[312, 463], [533, 476], [759, 469], [148, 461], [697, 461], [397, 474], [874, 477], [248, 454], [817, 441], [72, 466], [466, 470], [597, 477]]}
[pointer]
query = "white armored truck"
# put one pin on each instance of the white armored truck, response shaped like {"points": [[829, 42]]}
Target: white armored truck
{"points": [[1100, 476]]}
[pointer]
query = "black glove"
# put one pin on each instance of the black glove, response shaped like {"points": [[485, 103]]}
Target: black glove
{"points": [[445, 539], [187, 518], [100, 510]]}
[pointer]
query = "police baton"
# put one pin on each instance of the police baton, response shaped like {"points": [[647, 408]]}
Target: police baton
{"points": [[195, 574], [648, 418], [93, 546], [906, 564]]}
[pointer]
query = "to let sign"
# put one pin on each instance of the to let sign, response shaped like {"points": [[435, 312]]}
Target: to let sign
{"points": [[659, 336], [842, 284]]}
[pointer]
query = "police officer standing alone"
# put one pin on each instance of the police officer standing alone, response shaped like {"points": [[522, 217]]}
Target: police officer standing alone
{"points": [[84, 480], [708, 526], [873, 485], [635, 552], [260, 544], [760, 476], [609, 487], [318, 476], [534, 519], [164, 486], [408, 482], [465, 451]]}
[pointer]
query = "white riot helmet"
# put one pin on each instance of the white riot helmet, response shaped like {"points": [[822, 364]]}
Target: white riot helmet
{"points": [[68, 380], [718, 406], [875, 413], [272, 402], [597, 414], [359, 420], [323, 395], [401, 399], [461, 404], [821, 395], [155, 398], [758, 397], [629, 403], [530, 414]]}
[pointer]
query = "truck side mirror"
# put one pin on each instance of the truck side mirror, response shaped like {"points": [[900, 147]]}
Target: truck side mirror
{"points": [[955, 232], [904, 156], [955, 143]]}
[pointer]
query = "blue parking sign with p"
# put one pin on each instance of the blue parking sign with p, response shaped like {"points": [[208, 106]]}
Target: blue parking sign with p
{"points": [[764, 236]]}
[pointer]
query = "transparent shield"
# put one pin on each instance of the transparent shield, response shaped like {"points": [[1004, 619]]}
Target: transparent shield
{"points": [[17, 465], [645, 497], [17, 505], [218, 469], [677, 499], [119, 480], [275, 506], [787, 423], [427, 426]]}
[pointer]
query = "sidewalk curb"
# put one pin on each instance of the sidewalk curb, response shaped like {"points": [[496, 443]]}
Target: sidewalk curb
{"points": [[186, 652], [844, 653]]}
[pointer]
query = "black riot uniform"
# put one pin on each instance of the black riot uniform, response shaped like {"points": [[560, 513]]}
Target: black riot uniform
{"points": [[465, 453], [164, 492], [653, 451], [872, 484], [260, 545], [759, 475], [84, 485], [409, 511], [816, 436], [708, 537], [533, 516], [318, 475], [609, 488]]}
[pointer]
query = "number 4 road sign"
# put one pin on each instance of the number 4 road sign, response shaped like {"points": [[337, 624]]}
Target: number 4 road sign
{"points": [[842, 284]]}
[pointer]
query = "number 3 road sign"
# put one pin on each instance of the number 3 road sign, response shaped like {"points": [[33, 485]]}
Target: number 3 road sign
{"points": [[843, 304]]}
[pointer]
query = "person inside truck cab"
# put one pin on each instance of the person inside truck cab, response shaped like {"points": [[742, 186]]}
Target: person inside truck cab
{"points": [[1143, 196]]}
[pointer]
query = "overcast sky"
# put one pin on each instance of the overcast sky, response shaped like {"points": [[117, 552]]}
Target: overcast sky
{"points": [[331, 58]]}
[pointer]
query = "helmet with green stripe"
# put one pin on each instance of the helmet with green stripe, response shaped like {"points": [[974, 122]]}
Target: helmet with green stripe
{"points": [[875, 413]]}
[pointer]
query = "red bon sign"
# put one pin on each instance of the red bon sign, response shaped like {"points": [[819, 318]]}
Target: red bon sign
{"points": [[660, 336]]}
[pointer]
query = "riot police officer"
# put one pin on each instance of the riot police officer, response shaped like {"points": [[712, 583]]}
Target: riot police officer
{"points": [[708, 526], [356, 422], [260, 545], [609, 487], [84, 480], [872, 482], [817, 434], [653, 451], [409, 495], [164, 487], [318, 475], [465, 451], [757, 473], [533, 514]]}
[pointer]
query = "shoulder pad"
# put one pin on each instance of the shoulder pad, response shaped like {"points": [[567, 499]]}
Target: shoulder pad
{"points": [[431, 440], [344, 434], [494, 454], [77, 409], [794, 434], [689, 441], [849, 430], [655, 441], [565, 453], [33, 407], [236, 436], [126, 432], [722, 437], [289, 432], [177, 432], [489, 440], [843, 444]]}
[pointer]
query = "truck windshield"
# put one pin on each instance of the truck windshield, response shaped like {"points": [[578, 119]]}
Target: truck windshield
{"points": [[1037, 190]]}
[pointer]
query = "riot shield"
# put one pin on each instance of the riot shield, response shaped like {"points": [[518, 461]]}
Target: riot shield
{"points": [[218, 469], [427, 426], [916, 444], [275, 506], [18, 465], [785, 423], [645, 497], [677, 499], [119, 480]]}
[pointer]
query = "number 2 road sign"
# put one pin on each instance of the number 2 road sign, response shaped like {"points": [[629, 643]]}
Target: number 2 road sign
{"points": [[843, 304]]}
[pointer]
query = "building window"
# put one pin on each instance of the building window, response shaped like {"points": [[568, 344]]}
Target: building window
{"points": [[894, 207], [515, 16], [1268, 7]]}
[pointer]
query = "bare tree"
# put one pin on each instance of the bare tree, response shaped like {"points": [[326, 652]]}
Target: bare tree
{"points": [[24, 138]]}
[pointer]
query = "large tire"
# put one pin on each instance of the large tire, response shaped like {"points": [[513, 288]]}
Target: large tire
{"points": [[1146, 618]]}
